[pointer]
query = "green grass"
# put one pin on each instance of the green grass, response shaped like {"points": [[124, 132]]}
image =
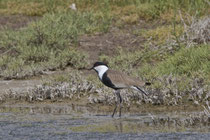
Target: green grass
{"points": [[186, 64], [128, 11], [162, 34], [33, 7], [49, 43], [187, 61], [128, 61]]}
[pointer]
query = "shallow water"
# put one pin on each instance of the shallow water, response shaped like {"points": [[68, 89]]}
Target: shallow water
{"points": [[51, 121]]}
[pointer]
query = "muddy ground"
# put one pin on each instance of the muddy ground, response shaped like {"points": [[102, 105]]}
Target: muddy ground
{"points": [[16, 21]]}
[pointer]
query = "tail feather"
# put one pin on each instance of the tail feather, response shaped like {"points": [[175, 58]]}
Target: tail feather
{"points": [[138, 89]]}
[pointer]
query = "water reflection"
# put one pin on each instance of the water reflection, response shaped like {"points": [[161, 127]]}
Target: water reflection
{"points": [[89, 120], [44, 109], [118, 126]]}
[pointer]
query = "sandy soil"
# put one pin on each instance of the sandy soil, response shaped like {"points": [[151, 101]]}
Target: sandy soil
{"points": [[15, 21]]}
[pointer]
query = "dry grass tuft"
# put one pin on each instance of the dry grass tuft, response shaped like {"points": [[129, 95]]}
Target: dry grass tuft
{"points": [[196, 31]]}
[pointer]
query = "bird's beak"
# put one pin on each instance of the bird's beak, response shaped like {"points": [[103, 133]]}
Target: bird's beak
{"points": [[90, 68]]}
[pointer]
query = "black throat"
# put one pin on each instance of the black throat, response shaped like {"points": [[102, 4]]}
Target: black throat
{"points": [[106, 81]]}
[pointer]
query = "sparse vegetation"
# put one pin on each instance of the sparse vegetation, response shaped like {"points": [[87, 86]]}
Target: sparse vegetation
{"points": [[47, 46], [161, 34], [49, 43], [131, 10], [171, 50], [188, 61]]}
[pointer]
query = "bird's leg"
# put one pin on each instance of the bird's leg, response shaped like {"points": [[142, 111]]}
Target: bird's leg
{"points": [[114, 110], [119, 100], [115, 105]]}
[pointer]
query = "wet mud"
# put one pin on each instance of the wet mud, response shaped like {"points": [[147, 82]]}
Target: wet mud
{"points": [[66, 121]]}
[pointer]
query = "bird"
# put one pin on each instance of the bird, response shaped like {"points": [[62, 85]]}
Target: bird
{"points": [[117, 81], [73, 6]]}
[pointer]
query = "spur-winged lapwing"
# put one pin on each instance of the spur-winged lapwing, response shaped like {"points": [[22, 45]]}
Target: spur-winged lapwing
{"points": [[117, 80]]}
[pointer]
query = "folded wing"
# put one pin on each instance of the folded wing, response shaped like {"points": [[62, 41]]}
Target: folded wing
{"points": [[122, 80]]}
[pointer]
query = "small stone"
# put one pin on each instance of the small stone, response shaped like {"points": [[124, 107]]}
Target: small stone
{"points": [[196, 102]]}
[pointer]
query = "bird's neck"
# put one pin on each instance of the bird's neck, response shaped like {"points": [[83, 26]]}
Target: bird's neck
{"points": [[101, 70]]}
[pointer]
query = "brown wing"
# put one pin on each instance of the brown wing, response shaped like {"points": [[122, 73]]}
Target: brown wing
{"points": [[120, 79]]}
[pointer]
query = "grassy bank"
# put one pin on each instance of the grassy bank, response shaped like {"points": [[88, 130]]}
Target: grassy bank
{"points": [[172, 55], [127, 11], [47, 44]]}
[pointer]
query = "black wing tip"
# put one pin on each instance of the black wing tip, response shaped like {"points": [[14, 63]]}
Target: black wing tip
{"points": [[145, 93]]}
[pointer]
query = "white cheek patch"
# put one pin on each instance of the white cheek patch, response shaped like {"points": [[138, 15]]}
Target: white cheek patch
{"points": [[101, 70]]}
